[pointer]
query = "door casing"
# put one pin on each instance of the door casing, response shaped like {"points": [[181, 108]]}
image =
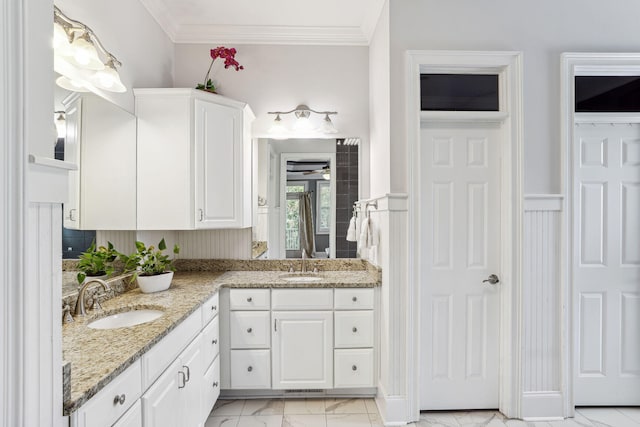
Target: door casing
{"points": [[573, 64], [509, 67]]}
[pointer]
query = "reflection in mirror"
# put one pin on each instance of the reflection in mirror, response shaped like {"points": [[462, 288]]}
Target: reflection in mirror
{"points": [[325, 170], [100, 138]]}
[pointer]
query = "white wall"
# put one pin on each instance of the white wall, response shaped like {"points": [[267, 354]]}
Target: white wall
{"points": [[379, 106], [542, 30], [278, 77], [127, 30]]}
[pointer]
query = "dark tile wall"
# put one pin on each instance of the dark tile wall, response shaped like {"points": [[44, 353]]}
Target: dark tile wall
{"points": [[74, 242], [346, 195]]}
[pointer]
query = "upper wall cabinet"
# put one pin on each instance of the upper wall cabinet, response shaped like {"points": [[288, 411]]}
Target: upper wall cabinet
{"points": [[194, 160], [101, 140]]}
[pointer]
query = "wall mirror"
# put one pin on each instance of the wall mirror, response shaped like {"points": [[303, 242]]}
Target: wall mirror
{"points": [[305, 191], [100, 137]]}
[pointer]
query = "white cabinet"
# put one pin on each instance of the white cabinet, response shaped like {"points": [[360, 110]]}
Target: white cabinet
{"points": [[132, 418], [101, 140], [160, 404], [194, 160], [103, 409], [298, 338], [302, 349]]}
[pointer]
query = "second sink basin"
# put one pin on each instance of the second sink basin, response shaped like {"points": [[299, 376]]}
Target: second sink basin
{"points": [[125, 319]]}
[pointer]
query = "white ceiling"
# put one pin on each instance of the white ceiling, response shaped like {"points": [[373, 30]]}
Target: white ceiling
{"points": [[324, 22]]}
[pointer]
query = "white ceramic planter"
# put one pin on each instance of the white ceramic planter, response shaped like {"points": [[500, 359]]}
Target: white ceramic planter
{"points": [[157, 283]]}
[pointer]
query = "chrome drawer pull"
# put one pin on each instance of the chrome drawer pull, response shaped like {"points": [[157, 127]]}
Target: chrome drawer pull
{"points": [[215, 384], [188, 377], [119, 399], [214, 307], [214, 342]]}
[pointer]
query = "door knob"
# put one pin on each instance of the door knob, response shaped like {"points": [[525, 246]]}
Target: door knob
{"points": [[492, 279]]}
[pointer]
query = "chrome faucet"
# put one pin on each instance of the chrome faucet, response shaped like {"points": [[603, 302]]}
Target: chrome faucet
{"points": [[303, 268], [80, 310]]}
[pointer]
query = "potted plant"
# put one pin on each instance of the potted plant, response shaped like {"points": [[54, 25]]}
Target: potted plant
{"points": [[96, 261], [152, 269], [229, 56]]}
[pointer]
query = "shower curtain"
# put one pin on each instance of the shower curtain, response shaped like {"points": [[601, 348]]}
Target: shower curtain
{"points": [[307, 241]]}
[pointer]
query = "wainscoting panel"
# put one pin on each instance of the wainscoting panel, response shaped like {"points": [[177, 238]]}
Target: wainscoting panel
{"points": [[542, 304], [123, 241], [219, 244]]}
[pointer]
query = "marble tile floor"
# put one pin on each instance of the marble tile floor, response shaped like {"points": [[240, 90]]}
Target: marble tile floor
{"points": [[363, 413]]}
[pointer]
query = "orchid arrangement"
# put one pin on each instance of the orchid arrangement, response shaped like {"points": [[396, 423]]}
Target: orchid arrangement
{"points": [[229, 56]]}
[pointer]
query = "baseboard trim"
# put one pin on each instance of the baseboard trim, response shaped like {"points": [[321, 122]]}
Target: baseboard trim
{"points": [[393, 409], [542, 406]]}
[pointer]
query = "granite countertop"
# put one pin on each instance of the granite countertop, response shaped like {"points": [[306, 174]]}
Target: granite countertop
{"points": [[98, 356]]}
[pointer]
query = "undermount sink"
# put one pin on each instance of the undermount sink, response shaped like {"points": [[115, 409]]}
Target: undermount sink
{"points": [[125, 319], [301, 278]]}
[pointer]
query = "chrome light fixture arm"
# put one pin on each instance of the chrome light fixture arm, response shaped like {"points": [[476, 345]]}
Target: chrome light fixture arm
{"points": [[71, 26]]}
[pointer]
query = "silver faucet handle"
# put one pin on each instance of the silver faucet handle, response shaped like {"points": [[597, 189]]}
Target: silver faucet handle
{"points": [[96, 301], [66, 314]]}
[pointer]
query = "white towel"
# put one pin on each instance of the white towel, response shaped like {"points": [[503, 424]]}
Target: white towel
{"points": [[365, 232], [351, 232]]}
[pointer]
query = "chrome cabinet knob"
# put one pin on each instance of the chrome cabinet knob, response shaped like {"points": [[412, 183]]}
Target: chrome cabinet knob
{"points": [[119, 399], [250, 368], [354, 368], [249, 330], [354, 330], [249, 299], [354, 299]]}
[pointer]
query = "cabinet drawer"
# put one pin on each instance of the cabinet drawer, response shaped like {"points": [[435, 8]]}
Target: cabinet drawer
{"points": [[210, 309], [353, 329], [210, 342], [302, 299], [249, 299], [211, 388], [250, 369], [102, 410], [354, 299], [250, 329], [353, 368]]}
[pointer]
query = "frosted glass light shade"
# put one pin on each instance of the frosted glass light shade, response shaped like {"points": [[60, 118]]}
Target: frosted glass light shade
{"points": [[108, 79], [84, 55], [72, 85], [327, 125]]}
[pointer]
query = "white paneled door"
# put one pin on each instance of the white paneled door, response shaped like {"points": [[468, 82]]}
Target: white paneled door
{"points": [[606, 260], [460, 251]]}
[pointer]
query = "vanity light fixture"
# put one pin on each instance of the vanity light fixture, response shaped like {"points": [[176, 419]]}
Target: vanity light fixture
{"points": [[303, 122], [81, 58]]}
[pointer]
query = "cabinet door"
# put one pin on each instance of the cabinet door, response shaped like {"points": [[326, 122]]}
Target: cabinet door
{"points": [[302, 349], [161, 403], [219, 166], [73, 119], [190, 396], [132, 418]]}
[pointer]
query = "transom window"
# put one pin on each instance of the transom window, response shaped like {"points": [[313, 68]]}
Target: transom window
{"points": [[459, 92]]}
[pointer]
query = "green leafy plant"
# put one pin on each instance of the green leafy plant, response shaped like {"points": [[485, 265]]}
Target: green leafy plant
{"points": [[147, 261], [96, 261]]}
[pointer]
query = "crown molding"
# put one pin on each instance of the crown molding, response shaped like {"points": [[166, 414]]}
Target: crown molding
{"points": [[371, 19], [159, 12], [268, 34]]}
